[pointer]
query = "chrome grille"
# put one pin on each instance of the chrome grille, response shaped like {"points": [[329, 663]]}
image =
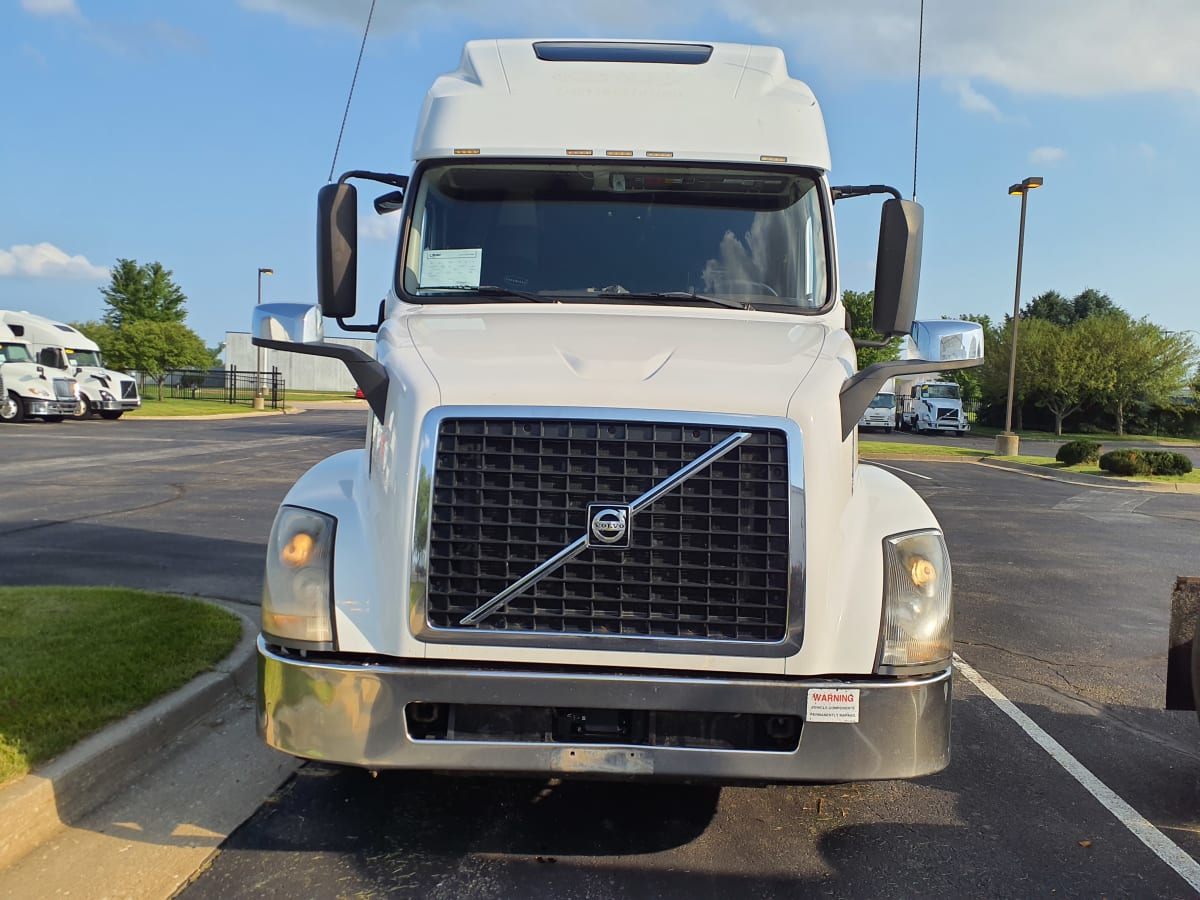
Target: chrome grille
{"points": [[709, 559], [64, 388], [129, 390]]}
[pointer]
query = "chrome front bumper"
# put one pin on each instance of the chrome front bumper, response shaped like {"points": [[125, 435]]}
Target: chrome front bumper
{"points": [[51, 407], [355, 715]]}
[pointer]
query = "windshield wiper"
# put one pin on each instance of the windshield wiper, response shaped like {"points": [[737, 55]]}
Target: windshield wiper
{"points": [[494, 290], [686, 295]]}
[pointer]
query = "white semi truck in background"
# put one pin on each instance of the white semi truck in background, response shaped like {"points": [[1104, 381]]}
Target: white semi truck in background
{"points": [[933, 405], [609, 518], [56, 345], [31, 390], [880, 415]]}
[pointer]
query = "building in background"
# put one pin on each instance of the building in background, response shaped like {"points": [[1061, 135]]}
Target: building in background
{"points": [[300, 372]]}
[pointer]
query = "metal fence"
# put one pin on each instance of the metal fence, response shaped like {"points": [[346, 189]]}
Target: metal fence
{"points": [[220, 385]]}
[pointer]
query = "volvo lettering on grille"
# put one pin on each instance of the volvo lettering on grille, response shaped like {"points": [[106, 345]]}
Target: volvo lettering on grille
{"points": [[609, 525]]}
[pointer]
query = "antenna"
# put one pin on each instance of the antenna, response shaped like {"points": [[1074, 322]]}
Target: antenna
{"points": [[354, 81], [917, 123]]}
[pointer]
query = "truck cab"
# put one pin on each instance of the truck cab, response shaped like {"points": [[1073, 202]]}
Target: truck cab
{"points": [[880, 414], [56, 345], [31, 390], [609, 519]]}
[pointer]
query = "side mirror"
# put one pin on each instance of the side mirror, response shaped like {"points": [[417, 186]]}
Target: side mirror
{"points": [[389, 202], [294, 323], [946, 340], [337, 250], [898, 266]]}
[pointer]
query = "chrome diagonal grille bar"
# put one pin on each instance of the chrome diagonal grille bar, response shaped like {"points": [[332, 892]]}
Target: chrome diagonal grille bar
{"points": [[578, 546]]}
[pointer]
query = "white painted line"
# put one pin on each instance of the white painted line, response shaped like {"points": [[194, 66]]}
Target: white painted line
{"points": [[1162, 846], [896, 469]]}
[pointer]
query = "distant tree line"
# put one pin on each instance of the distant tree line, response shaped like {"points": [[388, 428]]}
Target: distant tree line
{"points": [[142, 329], [1083, 359]]}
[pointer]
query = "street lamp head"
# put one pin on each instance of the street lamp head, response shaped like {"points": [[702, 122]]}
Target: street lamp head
{"points": [[266, 271], [1027, 185]]}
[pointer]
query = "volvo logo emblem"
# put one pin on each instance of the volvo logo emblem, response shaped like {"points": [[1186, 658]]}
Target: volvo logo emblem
{"points": [[608, 525]]}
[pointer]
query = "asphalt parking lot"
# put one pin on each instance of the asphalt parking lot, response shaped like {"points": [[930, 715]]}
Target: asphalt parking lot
{"points": [[1062, 596]]}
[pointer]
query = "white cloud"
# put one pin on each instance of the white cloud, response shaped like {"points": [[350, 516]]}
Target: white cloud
{"points": [[374, 227], [973, 101], [1047, 155], [52, 8], [46, 261], [1065, 48]]}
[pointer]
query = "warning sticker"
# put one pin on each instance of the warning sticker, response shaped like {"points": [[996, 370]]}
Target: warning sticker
{"points": [[832, 705]]}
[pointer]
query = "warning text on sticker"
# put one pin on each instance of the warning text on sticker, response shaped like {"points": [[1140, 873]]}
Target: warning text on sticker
{"points": [[832, 705]]}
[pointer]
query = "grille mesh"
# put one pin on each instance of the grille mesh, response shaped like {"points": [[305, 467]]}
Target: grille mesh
{"points": [[128, 390], [64, 388], [709, 559]]}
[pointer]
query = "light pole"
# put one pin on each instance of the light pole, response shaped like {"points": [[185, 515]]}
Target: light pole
{"points": [[259, 402], [1007, 442]]}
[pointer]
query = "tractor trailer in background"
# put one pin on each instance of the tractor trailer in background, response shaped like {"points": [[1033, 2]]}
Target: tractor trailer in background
{"points": [[933, 405], [56, 345], [609, 518], [31, 390]]}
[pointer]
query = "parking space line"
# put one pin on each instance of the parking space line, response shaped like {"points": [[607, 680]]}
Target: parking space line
{"points": [[1141, 828], [896, 469]]}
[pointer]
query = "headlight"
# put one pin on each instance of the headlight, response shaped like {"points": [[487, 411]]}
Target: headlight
{"points": [[38, 391], [296, 590], [105, 395], [918, 614]]}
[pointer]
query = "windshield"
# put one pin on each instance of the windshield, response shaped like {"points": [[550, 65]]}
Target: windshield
{"points": [[883, 401], [14, 353], [940, 391], [84, 358], [622, 233]]}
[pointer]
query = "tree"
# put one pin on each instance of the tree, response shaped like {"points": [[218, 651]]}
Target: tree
{"points": [[860, 308], [1059, 364], [1050, 307], [142, 293], [153, 348], [1090, 302], [1135, 360]]}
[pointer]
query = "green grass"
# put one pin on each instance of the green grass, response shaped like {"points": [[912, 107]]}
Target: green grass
{"points": [[989, 431], [1192, 477], [895, 448], [169, 407], [76, 659]]}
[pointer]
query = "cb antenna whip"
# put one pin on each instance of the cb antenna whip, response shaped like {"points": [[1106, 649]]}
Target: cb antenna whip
{"points": [[354, 81], [917, 122]]}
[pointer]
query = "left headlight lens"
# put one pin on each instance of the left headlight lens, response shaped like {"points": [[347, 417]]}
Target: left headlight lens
{"points": [[297, 587], [918, 611]]}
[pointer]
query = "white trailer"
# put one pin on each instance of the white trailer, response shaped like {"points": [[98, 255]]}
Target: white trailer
{"points": [[608, 519], [31, 390], [56, 345]]}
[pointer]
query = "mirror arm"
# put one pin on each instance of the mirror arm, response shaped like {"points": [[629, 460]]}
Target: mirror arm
{"points": [[368, 373], [860, 389]]}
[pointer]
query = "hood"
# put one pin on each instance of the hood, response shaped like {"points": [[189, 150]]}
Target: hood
{"points": [[690, 359]]}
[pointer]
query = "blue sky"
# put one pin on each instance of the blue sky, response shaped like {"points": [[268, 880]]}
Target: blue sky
{"points": [[196, 133]]}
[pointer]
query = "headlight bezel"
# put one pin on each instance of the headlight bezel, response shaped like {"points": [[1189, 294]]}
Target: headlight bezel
{"points": [[287, 618], [916, 625]]}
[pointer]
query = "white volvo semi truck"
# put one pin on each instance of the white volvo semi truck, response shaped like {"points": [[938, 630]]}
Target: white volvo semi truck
{"points": [[56, 345], [609, 517], [31, 390]]}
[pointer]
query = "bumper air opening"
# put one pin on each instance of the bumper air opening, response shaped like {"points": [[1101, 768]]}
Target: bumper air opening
{"points": [[563, 725]]}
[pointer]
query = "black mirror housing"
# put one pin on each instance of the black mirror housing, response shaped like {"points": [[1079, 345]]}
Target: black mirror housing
{"points": [[898, 266], [337, 250]]}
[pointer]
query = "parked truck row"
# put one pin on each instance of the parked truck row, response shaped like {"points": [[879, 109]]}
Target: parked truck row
{"points": [[52, 371]]}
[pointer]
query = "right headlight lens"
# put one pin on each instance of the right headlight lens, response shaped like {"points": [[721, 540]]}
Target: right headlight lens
{"points": [[297, 587], [918, 612]]}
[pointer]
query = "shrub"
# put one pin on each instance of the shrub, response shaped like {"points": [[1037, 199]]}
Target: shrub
{"points": [[1077, 452], [1124, 462], [1145, 462]]}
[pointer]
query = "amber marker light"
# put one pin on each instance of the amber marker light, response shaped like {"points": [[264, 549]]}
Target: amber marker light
{"points": [[466, 151], [772, 159], [298, 551], [579, 152]]}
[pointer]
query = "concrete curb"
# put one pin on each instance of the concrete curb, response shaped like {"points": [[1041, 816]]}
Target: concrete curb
{"points": [[36, 807]]}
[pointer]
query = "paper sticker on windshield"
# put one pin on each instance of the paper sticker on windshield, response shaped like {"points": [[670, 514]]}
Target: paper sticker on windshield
{"points": [[451, 268], [832, 705]]}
